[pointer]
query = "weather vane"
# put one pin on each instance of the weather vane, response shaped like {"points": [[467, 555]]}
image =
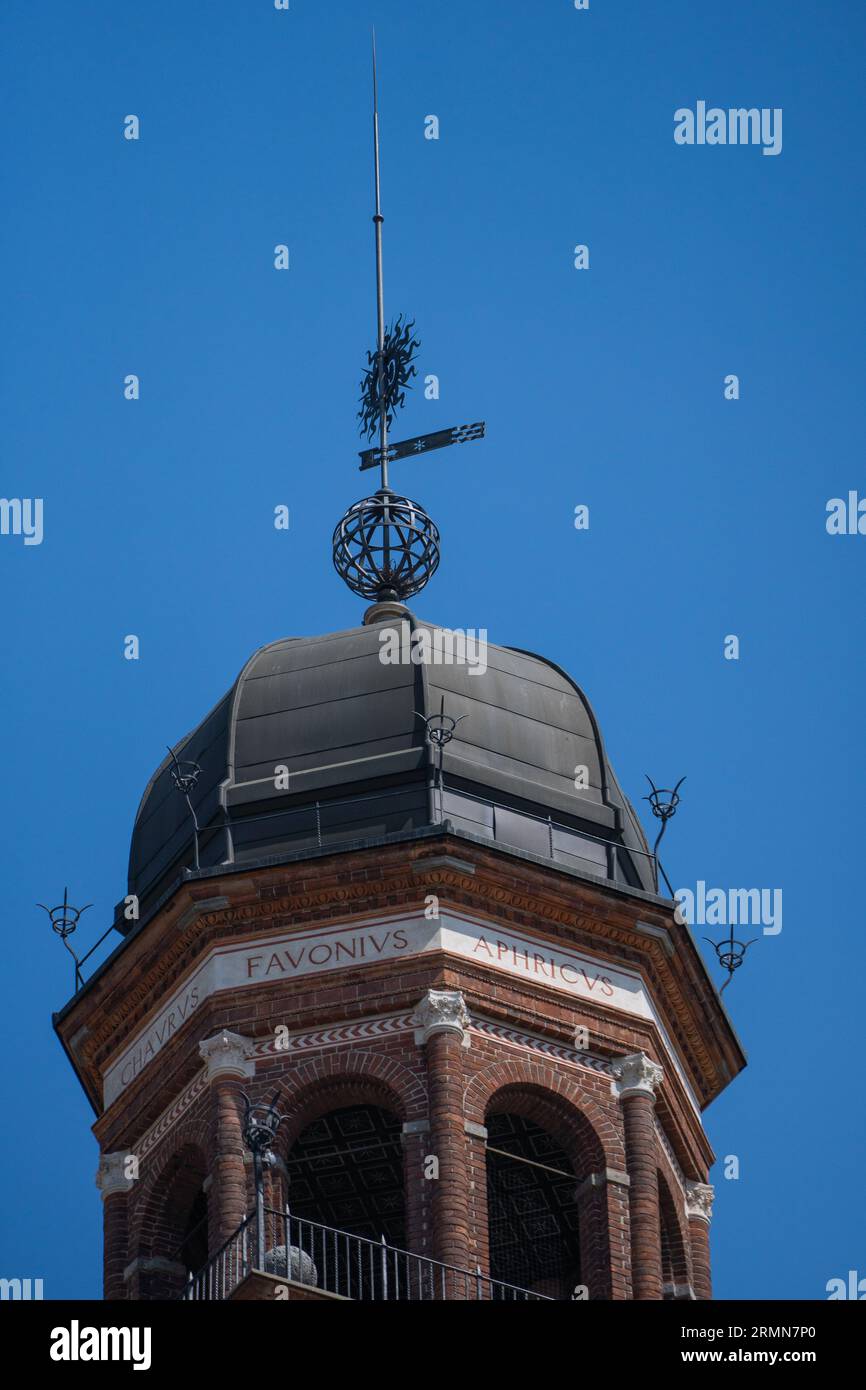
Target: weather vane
{"points": [[389, 373], [386, 547]]}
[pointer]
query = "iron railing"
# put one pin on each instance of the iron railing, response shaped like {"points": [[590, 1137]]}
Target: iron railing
{"points": [[335, 1262], [322, 836]]}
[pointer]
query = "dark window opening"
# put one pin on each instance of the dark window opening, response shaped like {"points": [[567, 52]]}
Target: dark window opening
{"points": [[346, 1171], [193, 1248], [532, 1211]]}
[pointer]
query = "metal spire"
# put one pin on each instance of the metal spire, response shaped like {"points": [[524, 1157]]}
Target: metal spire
{"points": [[378, 219]]}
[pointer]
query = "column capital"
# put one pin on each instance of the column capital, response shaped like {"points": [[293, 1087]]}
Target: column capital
{"points": [[699, 1201], [227, 1055], [111, 1174], [441, 1011], [637, 1075]]}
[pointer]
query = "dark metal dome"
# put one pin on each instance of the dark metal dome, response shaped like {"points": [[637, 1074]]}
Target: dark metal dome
{"points": [[320, 742]]}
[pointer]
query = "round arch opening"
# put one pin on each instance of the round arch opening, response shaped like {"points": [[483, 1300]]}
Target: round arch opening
{"points": [[533, 1226]]}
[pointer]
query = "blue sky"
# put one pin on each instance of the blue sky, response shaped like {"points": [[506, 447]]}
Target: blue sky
{"points": [[602, 387]]}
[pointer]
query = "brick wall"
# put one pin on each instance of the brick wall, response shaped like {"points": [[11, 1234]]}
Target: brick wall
{"points": [[521, 1058]]}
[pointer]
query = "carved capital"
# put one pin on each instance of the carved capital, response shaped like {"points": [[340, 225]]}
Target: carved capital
{"points": [[111, 1174], [441, 1011], [699, 1201], [227, 1054], [637, 1075]]}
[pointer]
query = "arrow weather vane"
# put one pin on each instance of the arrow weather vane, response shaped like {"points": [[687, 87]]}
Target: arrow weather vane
{"points": [[391, 367], [386, 547]]}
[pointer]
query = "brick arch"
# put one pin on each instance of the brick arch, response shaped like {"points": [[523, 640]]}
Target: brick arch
{"points": [[337, 1080], [360, 1078], [674, 1238], [161, 1216], [555, 1101], [184, 1147], [560, 1105]]}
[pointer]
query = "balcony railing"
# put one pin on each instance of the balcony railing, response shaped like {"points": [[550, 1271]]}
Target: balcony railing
{"points": [[337, 1263]]}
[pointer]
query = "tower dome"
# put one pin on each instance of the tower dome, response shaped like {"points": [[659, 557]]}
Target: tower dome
{"points": [[323, 740]]}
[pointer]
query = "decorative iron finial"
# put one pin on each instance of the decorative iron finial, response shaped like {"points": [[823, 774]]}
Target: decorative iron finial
{"points": [[439, 731], [261, 1122], [64, 919], [388, 377], [386, 547], [731, 954], [185, 776], [664, 802]]}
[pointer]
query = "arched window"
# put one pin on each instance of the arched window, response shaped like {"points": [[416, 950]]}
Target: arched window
{"points": [[675, 1269], [192, 1252], [532, 1208], [345, 1179], [173, 1227]]}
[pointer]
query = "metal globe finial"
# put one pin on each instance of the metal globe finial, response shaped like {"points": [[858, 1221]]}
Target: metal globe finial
{"points": [[386, 547]]}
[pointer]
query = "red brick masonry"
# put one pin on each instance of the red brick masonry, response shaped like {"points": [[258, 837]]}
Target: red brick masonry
{"points": [[354, 1037]]}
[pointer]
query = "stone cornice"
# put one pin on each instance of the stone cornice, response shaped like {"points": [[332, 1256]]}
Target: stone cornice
{"points": [[529, 897]]}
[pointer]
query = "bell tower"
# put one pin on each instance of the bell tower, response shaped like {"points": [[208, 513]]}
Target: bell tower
{"points": [[428, 994], [401, 1008]]}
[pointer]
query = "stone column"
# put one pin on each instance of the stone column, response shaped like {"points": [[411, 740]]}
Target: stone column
{"points": [[442, 1019], [114, 1186], [638, 1078], [228, 1060], [699, 1210]]}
